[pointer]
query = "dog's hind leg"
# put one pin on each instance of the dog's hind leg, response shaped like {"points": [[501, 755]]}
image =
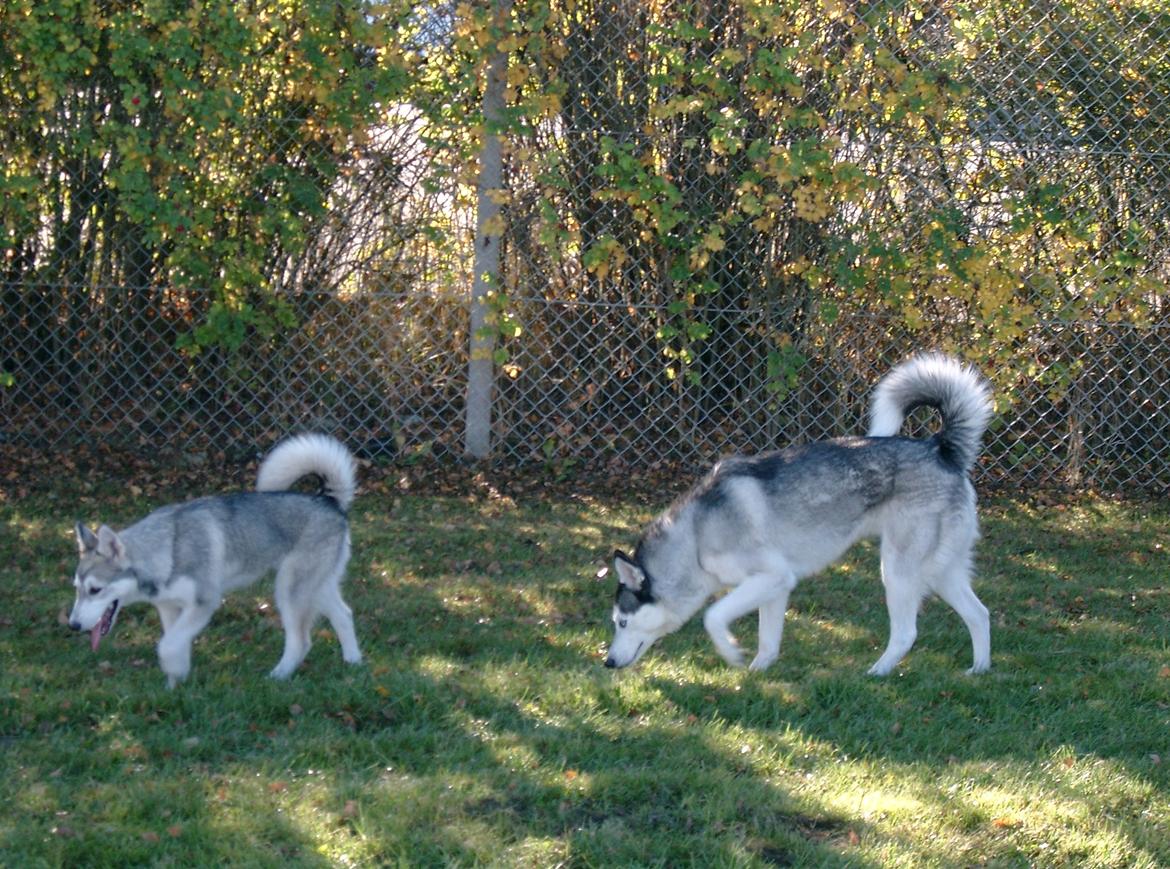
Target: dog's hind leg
{"points": [[297, 617], [957, 592], [902, 602], [330, 602], [900, 561]]}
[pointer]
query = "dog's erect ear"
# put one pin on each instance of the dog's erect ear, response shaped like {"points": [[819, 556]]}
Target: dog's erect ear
{"points": [[629, 574], [86, 540], [109, 544]]}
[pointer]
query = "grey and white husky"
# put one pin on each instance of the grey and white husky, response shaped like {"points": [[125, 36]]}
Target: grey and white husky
{"points": [[184, 558], [756, 526]]}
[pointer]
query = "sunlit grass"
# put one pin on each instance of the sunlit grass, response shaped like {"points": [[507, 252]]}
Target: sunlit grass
{"points": [[484, 730]]}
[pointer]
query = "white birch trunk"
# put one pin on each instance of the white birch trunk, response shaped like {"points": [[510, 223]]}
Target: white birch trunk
{"points": [[486, 263]]}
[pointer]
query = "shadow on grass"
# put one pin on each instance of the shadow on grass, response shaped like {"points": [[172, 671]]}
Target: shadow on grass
{"points": [[483, 728]]}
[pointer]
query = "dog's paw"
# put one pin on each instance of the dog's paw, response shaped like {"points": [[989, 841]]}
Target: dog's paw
{"points": [[176, 676], [977, 669], [730, 652], [280, 674], [762, 662], [878, 670]]}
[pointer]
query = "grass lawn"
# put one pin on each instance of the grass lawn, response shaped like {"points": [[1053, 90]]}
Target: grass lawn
{"points": [[483, 728]]}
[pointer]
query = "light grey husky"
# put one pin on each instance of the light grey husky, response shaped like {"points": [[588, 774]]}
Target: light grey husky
{"points": [[184, 558], [756, 526]]}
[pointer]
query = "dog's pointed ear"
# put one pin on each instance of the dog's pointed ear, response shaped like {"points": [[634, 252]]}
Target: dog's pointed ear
{"points": [[86, 540], [629, 574], [109, 544]]}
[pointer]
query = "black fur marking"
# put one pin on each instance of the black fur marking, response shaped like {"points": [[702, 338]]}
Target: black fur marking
{"points": [[626, 598], [948, 455]]}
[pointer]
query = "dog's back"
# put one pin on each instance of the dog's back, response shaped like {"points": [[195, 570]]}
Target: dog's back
{"points": [[241, 536]]}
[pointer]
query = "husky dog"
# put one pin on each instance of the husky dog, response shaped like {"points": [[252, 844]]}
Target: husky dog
{"points": [[758, 525], [184, 558]]}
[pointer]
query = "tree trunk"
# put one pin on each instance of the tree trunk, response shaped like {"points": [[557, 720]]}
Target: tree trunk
{"points": [[478, 431]]}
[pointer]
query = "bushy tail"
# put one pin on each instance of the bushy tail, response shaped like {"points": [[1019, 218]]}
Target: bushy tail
{"points": [[959, 392], [310, 454]]}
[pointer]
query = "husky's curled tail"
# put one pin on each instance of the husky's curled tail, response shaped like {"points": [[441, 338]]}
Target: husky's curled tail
{"points": [[959, 393], [310, 454]]}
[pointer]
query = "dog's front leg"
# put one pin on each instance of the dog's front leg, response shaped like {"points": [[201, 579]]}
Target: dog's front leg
{"points": [[771, 632], [753, 593], [167, 613], [174, 649]]}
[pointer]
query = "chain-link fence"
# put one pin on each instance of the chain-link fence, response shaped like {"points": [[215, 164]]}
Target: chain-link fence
{"points": [[663, 298]]}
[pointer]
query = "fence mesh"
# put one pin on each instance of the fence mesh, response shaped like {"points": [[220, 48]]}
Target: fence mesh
{"points": [[1061, 112]]}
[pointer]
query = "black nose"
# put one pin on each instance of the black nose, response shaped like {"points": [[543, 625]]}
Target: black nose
{"points": [[610, 663], [75, 625]]}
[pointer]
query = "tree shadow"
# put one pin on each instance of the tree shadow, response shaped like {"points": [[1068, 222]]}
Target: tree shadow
{"points": [[483, 727]]}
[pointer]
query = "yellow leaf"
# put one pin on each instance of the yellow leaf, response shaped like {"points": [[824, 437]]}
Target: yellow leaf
{"points": [[494, 225]]}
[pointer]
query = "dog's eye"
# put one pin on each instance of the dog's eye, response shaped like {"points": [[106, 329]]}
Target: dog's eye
{"points": [[622, 623], [93, 589]]}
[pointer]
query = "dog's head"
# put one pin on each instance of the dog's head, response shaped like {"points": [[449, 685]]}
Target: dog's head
{"points": [[105, 582], [638, 618]]}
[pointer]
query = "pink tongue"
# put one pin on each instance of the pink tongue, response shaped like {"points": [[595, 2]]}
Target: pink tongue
{"points": [[95, 636]]}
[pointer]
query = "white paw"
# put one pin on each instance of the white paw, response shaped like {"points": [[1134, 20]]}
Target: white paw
{"points": [[762, 662], [175, 662], [730, 652]]}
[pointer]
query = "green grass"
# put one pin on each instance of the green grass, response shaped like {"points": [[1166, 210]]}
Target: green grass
{"points": [[484, 730]]}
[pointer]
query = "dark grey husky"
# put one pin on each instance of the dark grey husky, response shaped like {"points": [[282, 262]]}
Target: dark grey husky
{"points": [[184, 558], [756, 526]]}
